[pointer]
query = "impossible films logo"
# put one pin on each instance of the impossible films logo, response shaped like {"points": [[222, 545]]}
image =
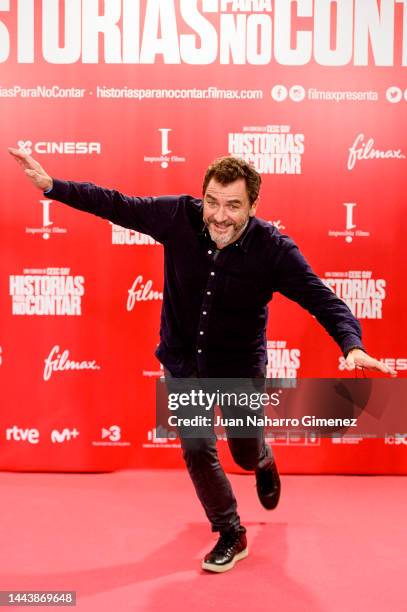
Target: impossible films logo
{"points": [[47, 229], [167, 156], [351, 230]]}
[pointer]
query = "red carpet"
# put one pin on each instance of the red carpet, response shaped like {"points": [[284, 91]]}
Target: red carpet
{"points": [[132, 541]]}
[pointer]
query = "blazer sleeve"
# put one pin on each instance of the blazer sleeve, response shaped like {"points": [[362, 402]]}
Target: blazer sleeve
{"points": [[295, 279], [149, 215]]}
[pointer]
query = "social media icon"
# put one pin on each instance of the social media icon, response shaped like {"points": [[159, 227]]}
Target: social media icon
{"points": [[279, 93], [297, 93], [394, 94]]}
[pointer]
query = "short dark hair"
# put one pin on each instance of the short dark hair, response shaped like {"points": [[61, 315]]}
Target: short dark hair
{"points": [[228, 169]]}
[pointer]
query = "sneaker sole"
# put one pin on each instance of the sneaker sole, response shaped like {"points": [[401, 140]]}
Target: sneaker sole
{"points": [[210, 567]]}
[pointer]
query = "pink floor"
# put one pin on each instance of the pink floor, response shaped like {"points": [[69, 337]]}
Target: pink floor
{"points": [[133, 540]]}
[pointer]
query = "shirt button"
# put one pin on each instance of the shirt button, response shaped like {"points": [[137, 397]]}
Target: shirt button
{"points": [[199, 350], [212, 273], [204, 312], [209, 252], [208, 292], [201, 333]]}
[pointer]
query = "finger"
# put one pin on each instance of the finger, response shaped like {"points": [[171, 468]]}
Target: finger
{"points": [[350, 363], [378, 366], [20, 162], [35, 176], [24, 159], [17, 153], [381, 367]]}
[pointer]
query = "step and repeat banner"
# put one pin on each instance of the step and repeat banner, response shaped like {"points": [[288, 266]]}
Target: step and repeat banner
{"points": [[140, 96]]}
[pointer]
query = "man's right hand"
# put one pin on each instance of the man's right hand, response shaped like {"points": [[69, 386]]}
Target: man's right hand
{"points": [[32, 168]]}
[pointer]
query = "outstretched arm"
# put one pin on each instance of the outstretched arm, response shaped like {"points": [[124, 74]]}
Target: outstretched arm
{"points": [[149, 215], [296, 280]]}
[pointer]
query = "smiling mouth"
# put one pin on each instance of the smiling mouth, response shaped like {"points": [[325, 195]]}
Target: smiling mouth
{"points": [[221, 228]]}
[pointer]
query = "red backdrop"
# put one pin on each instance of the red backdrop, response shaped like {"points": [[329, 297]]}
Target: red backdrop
{"points": [[142, 96]]}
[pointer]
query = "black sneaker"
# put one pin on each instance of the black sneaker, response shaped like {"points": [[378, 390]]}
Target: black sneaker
{"points": [[268, 482], [231, 547]]}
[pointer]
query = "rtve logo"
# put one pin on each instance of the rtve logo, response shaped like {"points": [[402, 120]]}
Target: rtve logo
{"points": [[22, 435]]}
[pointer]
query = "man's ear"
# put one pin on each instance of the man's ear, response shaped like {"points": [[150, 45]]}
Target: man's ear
{"points": [[253, 207]]}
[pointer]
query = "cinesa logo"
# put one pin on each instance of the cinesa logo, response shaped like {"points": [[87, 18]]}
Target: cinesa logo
{"points": [[63, 148], [22, 435]]}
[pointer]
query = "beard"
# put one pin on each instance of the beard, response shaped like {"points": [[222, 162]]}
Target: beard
{"points": [[225, 233]]}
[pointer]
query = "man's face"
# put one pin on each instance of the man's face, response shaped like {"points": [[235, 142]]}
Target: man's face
{"points": [[226, 211]]}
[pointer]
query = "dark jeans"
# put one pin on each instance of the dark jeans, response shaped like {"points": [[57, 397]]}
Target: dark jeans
{"points": [[211, 484]]}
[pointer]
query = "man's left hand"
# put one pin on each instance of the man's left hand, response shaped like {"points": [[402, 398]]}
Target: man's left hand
{"points": [[359, 359]]}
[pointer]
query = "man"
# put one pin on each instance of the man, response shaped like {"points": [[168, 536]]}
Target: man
{"points": [[222, 265]]}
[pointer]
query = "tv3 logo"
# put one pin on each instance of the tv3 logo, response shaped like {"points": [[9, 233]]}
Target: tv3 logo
{"points": [[113, 433]]}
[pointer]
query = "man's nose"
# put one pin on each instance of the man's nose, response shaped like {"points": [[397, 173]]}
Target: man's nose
{"points": [[220, 215]]}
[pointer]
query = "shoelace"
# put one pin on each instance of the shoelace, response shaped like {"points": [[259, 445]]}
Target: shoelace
{"points": [[225, 541]]}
